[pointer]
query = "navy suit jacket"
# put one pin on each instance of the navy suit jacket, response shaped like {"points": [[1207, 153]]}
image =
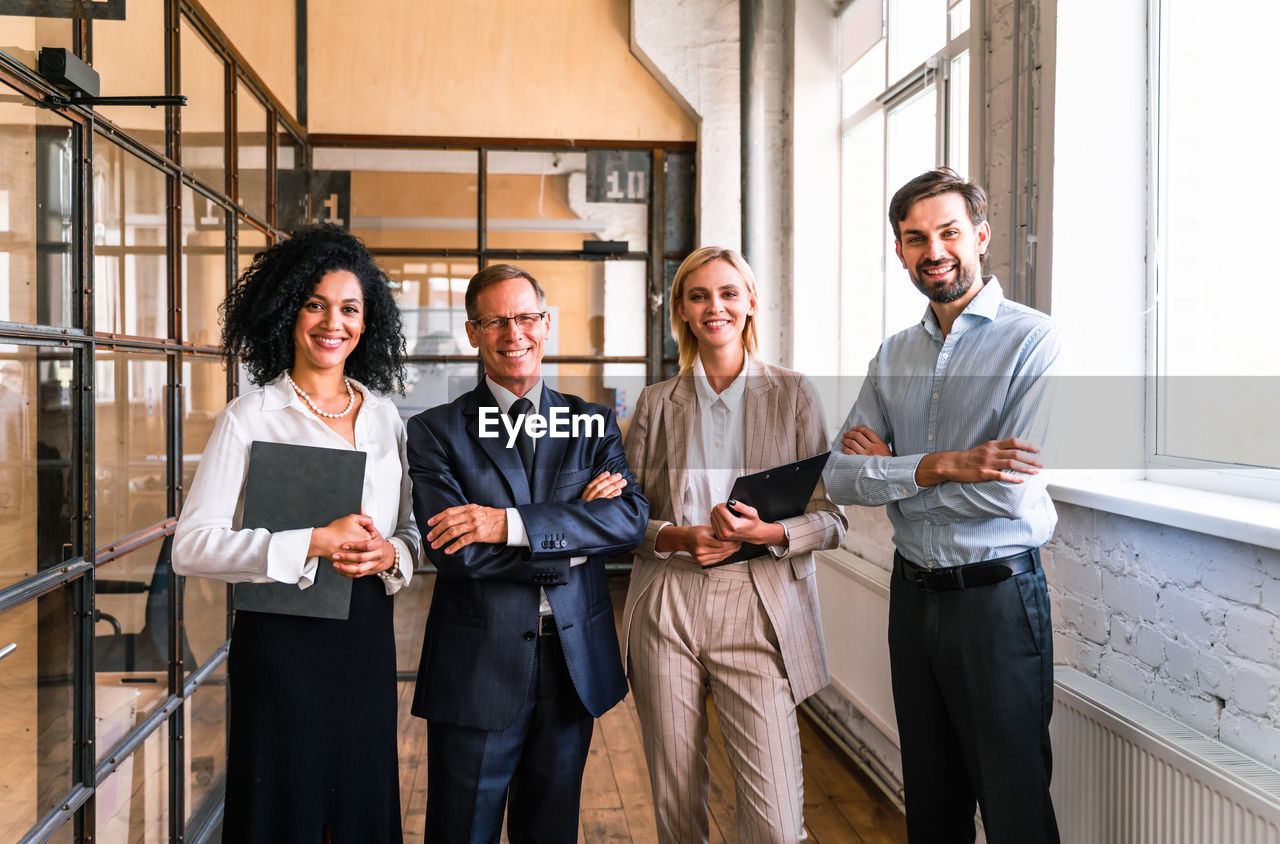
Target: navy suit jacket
{"points": [[478, 651]]}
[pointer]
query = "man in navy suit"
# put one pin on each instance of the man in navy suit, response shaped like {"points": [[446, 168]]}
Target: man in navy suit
{"points": [[520, 653]]}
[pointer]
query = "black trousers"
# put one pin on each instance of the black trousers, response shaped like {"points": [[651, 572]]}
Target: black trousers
{"points": [[973, 690], [532, 769]]}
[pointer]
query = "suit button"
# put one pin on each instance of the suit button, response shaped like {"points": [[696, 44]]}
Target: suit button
{"points": [[529, 635]]}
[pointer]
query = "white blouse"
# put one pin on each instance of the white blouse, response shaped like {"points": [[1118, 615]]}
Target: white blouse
{"points": [[716, 444], [208, 541]]}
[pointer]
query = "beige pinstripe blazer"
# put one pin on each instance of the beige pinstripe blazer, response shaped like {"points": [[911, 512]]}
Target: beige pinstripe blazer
{"points": [[783, 416]]}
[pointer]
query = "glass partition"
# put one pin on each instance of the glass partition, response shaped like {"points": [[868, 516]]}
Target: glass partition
{"points": [[204, 266], [131, 467], [430, 384], [131, 637], [415, 199], [251, 151], [128, 55], [251, 241], [207, 741], [561, 200], [133, 802], [39, 424], [597, 307], [292, 183], [131, 291], [37, 697], [38, 264], [431, 293], [204, 122]]}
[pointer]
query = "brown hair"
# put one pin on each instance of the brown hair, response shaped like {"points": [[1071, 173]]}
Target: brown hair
{"points": [[686, 340], [935, 183], [492, 275]]}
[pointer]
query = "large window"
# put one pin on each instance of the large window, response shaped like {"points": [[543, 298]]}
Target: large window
{"points": [[905, 101], [1216, 394]]}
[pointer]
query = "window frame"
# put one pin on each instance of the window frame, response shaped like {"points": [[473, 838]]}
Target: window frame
{"points": [[1222, 477], [935, 71]]}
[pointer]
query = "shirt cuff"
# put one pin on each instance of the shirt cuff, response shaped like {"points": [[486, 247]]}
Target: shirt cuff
{"points": [[515, 529], [901, 476], [780, 551], [405, 562], [576, 561], [287, 560]]}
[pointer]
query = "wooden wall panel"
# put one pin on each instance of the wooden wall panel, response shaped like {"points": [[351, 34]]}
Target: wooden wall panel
{"points": [[264, 33], [484, 68]]}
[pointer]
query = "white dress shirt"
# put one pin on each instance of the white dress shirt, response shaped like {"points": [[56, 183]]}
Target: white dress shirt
{"points": [[716, 445], [516, 535], [208, 541]]}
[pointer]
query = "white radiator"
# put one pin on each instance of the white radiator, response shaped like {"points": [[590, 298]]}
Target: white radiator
{"points": [[853, 595], [1125, 774]]}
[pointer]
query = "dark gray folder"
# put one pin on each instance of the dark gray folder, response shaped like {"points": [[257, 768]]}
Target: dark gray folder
{"points": [[778, 493], [299, 486]]}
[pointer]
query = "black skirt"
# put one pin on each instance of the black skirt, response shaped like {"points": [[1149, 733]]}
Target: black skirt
{"points": [[312, 739]]}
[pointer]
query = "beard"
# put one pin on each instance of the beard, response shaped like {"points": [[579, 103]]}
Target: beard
{"points": [[945, 292]]}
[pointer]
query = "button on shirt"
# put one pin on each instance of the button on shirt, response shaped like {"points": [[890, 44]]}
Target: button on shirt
{"points": [[716, 446], [516, 535], [989, 379]]}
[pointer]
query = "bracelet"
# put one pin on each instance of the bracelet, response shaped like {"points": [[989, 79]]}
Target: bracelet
{"points": [[392, 573]]}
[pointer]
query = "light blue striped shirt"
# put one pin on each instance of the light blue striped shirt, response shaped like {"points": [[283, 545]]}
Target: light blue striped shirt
{"points": [[987, 380]]}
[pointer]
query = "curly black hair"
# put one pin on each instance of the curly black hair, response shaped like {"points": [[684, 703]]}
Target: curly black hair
{"points": [[259, 313]]}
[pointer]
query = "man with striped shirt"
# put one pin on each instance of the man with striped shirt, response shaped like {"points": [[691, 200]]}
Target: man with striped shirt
{"points": [[947, 432]]}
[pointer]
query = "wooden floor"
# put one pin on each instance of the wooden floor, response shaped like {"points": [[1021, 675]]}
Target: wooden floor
{"points": [[841, 805]]}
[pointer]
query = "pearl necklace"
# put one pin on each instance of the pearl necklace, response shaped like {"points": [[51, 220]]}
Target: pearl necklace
{"points": [[351, 398]]}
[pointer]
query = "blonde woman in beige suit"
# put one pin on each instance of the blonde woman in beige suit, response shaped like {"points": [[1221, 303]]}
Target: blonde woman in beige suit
{"points": [[749, 632]]}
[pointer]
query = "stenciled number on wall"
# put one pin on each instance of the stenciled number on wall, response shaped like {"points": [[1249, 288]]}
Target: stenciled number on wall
{"points": [[617, 176]]}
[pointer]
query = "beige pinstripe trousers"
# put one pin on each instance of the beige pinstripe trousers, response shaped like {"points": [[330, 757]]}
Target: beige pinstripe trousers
{"points": [[696, 631]]}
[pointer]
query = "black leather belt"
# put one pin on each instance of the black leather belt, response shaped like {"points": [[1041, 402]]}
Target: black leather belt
{"points": [[547, 626], [985, 573]]}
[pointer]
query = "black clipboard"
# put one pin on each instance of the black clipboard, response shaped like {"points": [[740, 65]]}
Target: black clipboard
{"points": [[778, 493], [289, 487]]}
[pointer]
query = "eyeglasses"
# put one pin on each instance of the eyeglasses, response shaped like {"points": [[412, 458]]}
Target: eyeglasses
{"points": [[494, 324]]}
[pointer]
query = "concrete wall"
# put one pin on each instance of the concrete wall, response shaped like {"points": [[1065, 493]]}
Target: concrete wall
{"points": [[693, 49]]}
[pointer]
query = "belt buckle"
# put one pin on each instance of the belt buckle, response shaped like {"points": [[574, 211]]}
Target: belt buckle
{"points": [[546, 625], [917, 576], [945, 579]]}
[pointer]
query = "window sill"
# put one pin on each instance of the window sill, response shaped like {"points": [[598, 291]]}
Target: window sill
{"points": [[1249, 520]]}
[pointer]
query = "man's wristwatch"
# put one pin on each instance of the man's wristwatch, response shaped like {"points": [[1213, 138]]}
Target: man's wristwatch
{"points": [[392, 573]]}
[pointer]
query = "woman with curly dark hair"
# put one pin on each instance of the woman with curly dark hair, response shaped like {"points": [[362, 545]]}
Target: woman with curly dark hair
{"points": [[312, 745]]}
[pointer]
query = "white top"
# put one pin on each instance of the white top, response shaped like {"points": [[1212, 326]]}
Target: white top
{"points": [[516, 534], [208, 541], [716, 444]]}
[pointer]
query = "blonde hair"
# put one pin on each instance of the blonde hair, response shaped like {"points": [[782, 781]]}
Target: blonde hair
{"points": [[686, 340]]}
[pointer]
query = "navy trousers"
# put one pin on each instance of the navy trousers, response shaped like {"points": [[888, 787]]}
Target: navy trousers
{"points": [[973, 691], [533, 768]]}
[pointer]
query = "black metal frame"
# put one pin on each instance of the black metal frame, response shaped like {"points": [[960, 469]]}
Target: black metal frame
{"points": [[655, 257]]}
